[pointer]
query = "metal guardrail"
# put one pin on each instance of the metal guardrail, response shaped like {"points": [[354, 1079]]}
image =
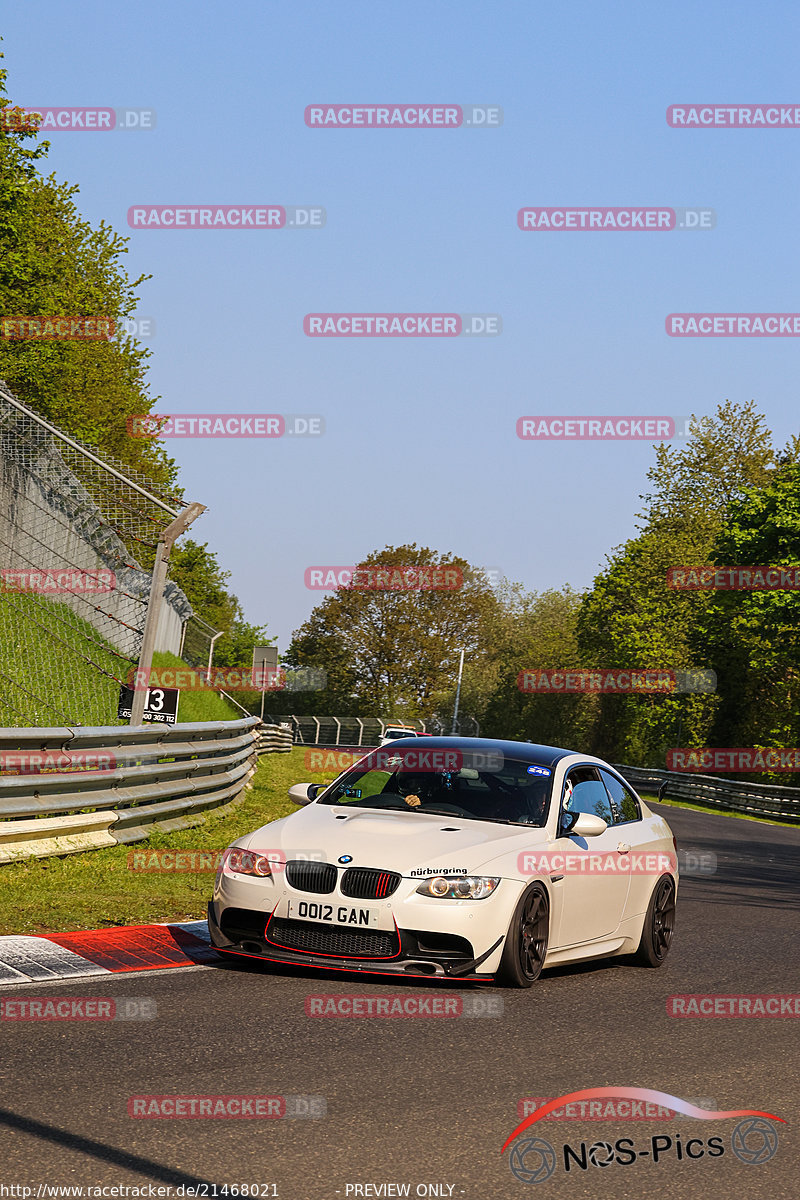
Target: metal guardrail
{"points": [[364, 731], [275, 739], [146, 777], [755, 799]]}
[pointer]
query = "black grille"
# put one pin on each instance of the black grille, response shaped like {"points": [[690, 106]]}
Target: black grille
{"points": [[311, 876], [365, 883], [310, 938]]}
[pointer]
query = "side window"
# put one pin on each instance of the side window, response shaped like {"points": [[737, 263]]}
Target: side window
{"points": [[623, 802], [584, 793]]}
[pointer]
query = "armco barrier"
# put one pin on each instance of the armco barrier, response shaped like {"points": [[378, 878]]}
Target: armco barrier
{"points": [[755, 799], [364, 731], [275, 739], [164, 778]]}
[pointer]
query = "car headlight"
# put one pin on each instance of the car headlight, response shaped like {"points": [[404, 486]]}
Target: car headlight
{"points": [[245, 862], [466, 887]]}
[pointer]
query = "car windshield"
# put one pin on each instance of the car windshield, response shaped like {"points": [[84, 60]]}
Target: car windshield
{"points": [[504, 790]]}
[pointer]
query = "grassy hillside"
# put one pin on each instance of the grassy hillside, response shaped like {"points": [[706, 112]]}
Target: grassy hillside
{"points": [[56, 669], [197, 705]]}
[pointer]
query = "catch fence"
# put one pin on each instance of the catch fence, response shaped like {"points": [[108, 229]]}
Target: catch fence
{"points": [[78, 537]]}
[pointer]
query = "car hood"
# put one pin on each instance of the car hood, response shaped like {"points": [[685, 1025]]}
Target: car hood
{"points": [[402, 842]]}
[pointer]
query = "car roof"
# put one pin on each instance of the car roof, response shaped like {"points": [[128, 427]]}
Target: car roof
{"points": [[547, 756]]}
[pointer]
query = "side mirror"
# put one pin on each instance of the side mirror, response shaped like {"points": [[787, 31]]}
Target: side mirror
{"points": [[303, 793], [587, 825]]}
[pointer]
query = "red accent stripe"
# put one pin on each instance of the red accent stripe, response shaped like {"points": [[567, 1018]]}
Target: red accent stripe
{"points": [[426, 979], [137, 947]]}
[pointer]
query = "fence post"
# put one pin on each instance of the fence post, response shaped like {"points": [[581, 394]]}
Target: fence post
{"points": [[154, 603]]}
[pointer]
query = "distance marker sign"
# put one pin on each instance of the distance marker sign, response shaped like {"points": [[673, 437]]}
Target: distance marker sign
{"points": [[160, 705]]}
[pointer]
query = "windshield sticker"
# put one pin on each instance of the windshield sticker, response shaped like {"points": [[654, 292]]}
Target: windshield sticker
{"points": [[539, 771]]}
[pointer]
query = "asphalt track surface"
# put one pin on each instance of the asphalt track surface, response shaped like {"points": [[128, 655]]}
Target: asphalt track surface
{"points": [[431, 1101]]}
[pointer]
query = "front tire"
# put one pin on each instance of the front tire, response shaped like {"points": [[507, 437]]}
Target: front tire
{"points": [[659, 925], [526, 940]]}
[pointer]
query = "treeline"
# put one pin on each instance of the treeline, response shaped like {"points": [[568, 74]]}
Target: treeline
{"points": [[53, 263], [726, 496]]}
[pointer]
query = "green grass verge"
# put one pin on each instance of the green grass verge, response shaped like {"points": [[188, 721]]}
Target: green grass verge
{"points": [[97, 888]]}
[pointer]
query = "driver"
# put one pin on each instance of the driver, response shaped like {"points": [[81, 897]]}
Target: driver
{"points": [[426, 787]]}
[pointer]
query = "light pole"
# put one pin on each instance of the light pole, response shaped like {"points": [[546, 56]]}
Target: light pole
{"points": [[458, 693]]}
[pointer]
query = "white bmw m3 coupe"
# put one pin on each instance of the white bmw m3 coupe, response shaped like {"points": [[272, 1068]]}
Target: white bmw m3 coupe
{"points": [[454, 858]]}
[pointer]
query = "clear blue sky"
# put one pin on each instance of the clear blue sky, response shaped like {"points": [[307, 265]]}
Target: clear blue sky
{"points": [[420, 443]]}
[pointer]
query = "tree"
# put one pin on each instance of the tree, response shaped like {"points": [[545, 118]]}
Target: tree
{"points": [[537, 631], [54, 263], [632, 618], [394, 650], [197, 572], [752, 638], [694, 485]]}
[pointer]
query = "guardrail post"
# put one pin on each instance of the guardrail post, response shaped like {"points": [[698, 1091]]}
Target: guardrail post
{"points": [[154, 603]]}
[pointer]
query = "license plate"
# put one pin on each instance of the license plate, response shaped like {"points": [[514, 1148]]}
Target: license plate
{"points": [[333, 914]]}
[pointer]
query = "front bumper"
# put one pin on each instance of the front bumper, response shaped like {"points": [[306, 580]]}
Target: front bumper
{"points": [[407, 952]]}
